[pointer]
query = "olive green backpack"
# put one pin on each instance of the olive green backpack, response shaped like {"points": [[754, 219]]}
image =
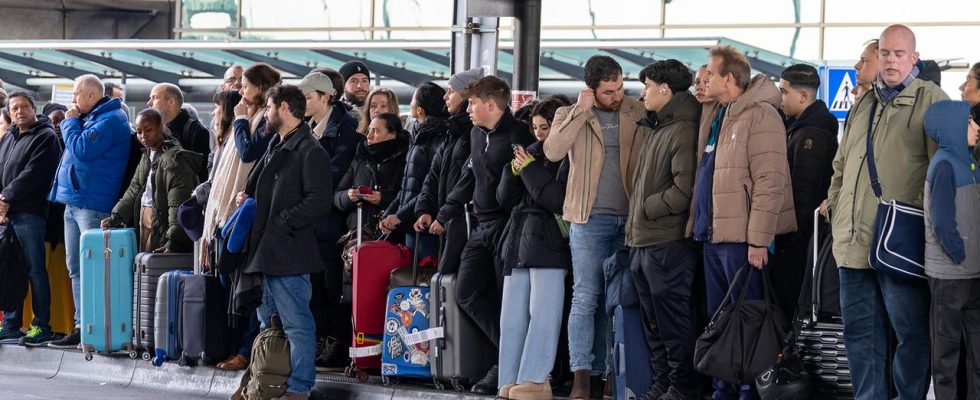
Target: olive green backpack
{"points": [[269, 368]]}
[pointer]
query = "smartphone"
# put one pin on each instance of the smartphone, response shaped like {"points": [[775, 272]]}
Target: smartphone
{"points": [[362, 190]]}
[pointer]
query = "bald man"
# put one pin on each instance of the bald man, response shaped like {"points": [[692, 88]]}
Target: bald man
{"points": [[895, 107], [97, 143], [169, 101], [233, 78]]}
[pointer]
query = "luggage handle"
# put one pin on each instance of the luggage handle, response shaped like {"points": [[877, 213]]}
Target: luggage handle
{"points": [[106, 257], [360, 227], [816, 276]]}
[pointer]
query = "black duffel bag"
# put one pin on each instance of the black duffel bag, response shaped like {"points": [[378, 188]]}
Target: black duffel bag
{"points": [[744, 337], [14, 272]]}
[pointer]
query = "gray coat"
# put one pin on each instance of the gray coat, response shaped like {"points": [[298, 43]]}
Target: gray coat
{"points": [[291, 187]]}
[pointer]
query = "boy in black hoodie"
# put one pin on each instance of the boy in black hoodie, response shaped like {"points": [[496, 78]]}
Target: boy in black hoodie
{"points": [[492, 140]]}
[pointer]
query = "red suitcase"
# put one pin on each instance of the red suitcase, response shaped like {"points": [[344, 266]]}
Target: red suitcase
{"points": [[373, 263]]}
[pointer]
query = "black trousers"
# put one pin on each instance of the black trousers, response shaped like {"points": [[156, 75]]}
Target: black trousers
{"points": [[480, 280], [786, 270], [332, 317], [955, 320], [453, 241], [664, 278]]}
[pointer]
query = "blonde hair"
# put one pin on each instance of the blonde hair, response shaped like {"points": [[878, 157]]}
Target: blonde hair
{"points": [[733, 62], [365, 117]]}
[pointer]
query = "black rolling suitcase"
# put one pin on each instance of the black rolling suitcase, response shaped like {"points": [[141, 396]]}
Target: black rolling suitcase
{"points": [[203, 329], [821, 339], [146, 273]]}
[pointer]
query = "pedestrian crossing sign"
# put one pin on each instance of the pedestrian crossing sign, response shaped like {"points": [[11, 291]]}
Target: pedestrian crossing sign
{"points": [[839, 84]]}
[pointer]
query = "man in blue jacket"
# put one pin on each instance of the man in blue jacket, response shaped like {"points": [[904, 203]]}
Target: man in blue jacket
{"points": [[97, 140]]}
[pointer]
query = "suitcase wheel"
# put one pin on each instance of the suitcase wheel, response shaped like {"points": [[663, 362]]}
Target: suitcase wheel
{"points": [[362, 377], [87, 351], [439, 385], [385, 380], [134, 354], [157, 361], [147, 356], [457, 385], [182, 361]]}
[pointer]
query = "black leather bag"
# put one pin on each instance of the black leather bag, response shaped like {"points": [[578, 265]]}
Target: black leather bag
{"points": [[744, 337]]}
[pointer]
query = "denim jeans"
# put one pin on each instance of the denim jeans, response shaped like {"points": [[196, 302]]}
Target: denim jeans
{"points": [[289, 296], [78, 220], [531, 315], [591, 243], [869, 299], [30, 232]]}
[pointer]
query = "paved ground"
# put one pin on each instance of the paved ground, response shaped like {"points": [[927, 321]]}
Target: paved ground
{"points": [[31, 388]]}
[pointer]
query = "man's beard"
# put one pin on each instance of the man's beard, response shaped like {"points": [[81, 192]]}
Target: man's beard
{"points": [[608, 108], [353, 99], [274, 124]]}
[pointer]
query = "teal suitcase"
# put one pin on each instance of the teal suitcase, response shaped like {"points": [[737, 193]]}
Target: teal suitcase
{"points": [[107, 259]]}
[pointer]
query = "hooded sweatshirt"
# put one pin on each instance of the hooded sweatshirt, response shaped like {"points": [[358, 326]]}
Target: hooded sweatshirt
{"points": [[951, 196], [28, 161]]}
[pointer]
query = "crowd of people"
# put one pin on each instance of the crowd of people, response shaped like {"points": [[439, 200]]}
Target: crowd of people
{"points": [[704, 174]]}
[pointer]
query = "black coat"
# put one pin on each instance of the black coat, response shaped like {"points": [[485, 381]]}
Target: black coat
{"points": [[379, 167], [340, 139], [425, 139], [290, 190], [490, 151], [28, 162], [811, 147], [532, 237], [445, 171], [192, 136]]}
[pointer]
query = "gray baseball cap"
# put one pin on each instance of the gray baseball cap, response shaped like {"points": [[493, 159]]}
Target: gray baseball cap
{"points": [[317, 81]]}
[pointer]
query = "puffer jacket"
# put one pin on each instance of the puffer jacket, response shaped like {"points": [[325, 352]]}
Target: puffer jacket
{"points": [[94, 162], [446, 170], [810, 147], [576, 133], [175, 176], [952, 193], [380, 167], [664, 177], [752, 198], [532, 237], [425, 139], [902, 151]]}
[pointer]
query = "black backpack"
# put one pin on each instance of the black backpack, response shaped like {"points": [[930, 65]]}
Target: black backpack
{"points": [[14, 273]]}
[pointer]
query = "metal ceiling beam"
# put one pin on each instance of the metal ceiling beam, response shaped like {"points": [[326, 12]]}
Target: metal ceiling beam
{"points": [[215, 70], [766, 67], [571, 70], [399, 74], [292, 68], [17, 79], [151, 74], [52, 68], [428, 55], [633, 58]]}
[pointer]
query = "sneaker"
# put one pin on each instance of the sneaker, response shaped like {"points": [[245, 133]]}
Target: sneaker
{"points": [[327, 350], [655, 393], [36, 337], [70, 341], [673, 393], [10, 336]]}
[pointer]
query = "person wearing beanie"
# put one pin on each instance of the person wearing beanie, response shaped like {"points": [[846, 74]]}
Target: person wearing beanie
{"points": [[435, 216], [357, 82]]}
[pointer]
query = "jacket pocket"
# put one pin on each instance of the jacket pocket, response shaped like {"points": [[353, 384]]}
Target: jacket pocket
{"points": [[748, 200], [73, 181]]}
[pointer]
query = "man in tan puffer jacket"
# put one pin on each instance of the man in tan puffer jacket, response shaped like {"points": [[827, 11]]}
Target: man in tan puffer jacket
{"points": [[742, 193]]}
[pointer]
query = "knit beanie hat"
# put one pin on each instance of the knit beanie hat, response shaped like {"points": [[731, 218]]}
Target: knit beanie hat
{"points": [[460, 81], [354, 67]]}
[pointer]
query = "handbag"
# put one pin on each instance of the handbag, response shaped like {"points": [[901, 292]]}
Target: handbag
{"points": [[744, 337], [898, 242], [14, 272]]}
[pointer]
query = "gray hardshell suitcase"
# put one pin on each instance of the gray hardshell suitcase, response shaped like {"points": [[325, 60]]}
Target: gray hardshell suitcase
{"points": [[147, 271], [464, 355]]}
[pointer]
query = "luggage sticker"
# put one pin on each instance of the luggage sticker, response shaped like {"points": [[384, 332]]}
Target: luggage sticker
{"points": [[405, 311]]}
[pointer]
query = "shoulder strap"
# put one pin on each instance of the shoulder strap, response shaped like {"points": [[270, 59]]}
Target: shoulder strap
{"points": [[870, 156]]}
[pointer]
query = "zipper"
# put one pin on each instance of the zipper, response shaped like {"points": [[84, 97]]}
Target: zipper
{"points": [[748, 200], [588, 175]]}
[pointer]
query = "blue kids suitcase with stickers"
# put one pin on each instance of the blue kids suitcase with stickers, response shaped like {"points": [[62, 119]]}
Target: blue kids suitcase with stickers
{"points": [[107, 259], [405, 348], [405, 344]]}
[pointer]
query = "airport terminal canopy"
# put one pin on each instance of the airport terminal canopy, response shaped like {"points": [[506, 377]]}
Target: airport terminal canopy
{"points": [[33, 64]]}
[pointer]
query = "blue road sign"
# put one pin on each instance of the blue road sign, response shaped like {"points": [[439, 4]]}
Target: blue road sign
{"points": [[839, 83]]}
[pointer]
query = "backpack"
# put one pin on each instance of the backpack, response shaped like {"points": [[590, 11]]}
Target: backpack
{"points": [[269, 367]]}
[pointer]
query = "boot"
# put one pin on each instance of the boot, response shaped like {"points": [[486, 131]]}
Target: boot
{"points": [[531, 391], [581, 388]]}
